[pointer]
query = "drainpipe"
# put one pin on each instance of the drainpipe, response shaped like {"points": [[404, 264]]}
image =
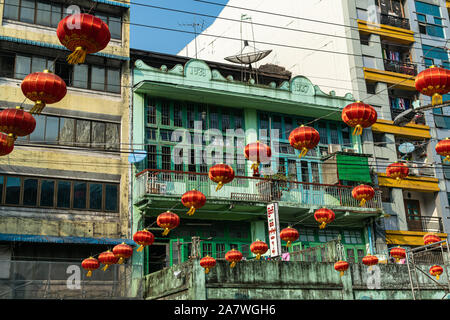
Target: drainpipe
{"points": [[369, 231]]}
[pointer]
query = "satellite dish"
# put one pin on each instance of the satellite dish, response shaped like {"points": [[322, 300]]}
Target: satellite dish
{"points": [[406, 148], [137, 156], [248, 55]]}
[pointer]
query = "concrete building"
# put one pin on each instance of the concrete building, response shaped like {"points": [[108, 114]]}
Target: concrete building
{"points": [[374, 49], [208, 104], [64, 189]]}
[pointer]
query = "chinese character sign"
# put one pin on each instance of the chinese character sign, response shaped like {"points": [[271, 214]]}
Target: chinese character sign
{"points": [[274, 229]]}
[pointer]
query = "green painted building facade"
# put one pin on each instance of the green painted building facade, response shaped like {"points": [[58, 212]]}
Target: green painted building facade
{"points": [[215, 114]]}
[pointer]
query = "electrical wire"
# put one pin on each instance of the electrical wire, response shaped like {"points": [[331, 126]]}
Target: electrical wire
{"points": [[286, 16], [231, 38]]}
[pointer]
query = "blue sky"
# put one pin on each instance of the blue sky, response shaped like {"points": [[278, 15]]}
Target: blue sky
{"points": [[163, 41]]}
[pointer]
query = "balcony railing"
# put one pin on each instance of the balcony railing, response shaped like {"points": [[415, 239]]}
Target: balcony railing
{"points": [[400, 67], [250, 189], [394, 21], [425, 224]]}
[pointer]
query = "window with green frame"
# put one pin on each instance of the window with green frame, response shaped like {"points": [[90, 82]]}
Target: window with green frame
{"points": [[164, 116], [217, 238], [352, 241], [307, 169]]}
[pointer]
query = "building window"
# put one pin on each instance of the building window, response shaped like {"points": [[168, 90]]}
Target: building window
{"points": [[352, 237], [386, 194], [371, 87], [151, 157], [85, 76], [54, 130], [429, 19], [49, 14]]}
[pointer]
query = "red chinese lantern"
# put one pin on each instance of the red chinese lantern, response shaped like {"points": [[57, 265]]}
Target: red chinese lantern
{"points": [[143, 238], [193, 200], [122, 251], [341, 266], [90, 264], [436, 271], [433, 82], [233, 256], [324, 216], [304, 138], [43, 88], [256, 152], [168, 221], [207, 263], [107, 258], [17, 121], [398, 253], [221, 174], [6, 143], [359, 115], [397, 170], [289, 235], [259, 248], [82, 34], [363, 193], [370, 261], [431, 238], [443, 148]]}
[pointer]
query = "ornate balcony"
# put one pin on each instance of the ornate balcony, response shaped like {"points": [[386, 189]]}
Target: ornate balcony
{"points": [[164, 183]]}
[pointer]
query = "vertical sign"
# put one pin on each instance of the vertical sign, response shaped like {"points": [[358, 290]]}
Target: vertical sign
{"points": [[274, 229]]}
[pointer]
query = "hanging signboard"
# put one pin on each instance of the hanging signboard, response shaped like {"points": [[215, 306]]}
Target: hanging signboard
{"points": [[274, 230]]}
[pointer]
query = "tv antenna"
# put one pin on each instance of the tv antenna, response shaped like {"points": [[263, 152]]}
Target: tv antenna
{"points": [[194, 25]]}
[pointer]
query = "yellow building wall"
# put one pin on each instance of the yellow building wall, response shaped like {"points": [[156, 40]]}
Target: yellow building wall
{"points": [[409, 238], [73, 159]]}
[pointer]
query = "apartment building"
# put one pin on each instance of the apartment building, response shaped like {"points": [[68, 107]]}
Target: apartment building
{"points": [[64, 189], [373, 49]]}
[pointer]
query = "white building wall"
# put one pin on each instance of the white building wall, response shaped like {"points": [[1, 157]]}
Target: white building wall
{"points": [[329, 70]]}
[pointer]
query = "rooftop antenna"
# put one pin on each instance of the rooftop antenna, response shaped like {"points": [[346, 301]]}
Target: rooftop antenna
{"points": [[248, 54], [194, 25]]}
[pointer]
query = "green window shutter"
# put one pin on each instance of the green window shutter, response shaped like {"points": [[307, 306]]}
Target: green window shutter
{"points": [[353, 168]]}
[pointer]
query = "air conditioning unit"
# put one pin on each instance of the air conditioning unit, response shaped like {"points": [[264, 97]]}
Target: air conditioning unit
{"points": [[332, 148], [414, 170], [349, 150]]}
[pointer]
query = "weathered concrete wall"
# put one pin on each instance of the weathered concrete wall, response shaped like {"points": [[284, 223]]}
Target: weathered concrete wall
{"points": [[288, 280], [179, 282]]}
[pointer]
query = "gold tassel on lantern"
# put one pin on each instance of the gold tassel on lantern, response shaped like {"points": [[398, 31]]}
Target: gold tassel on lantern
{"points": [[219, 186], [120, 260], [105, 267], [436, 99], [38, 107], [258, 256], [342, 273], [141, 247], [89, 273], [206, 270], [363, 202], [303, 153], [323, 225], [233, 264], [191, 211], [166, 232], [78, 56], [358, 130]]}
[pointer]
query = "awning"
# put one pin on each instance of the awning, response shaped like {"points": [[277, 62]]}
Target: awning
{"points": [[353, 168], [53, 239]]}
